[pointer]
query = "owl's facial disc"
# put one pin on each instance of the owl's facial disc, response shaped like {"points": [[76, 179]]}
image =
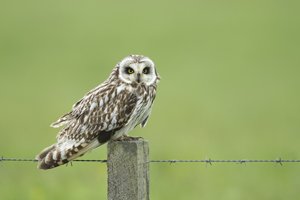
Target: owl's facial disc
{"points": [[137, 70]]}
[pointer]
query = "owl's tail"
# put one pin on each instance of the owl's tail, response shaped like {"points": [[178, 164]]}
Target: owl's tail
{"points": [[50, 157], [54, 156]]}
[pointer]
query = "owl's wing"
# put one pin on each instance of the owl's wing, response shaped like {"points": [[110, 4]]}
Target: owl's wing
{"points": [[91, 123], [81, 106], [101, 114]]}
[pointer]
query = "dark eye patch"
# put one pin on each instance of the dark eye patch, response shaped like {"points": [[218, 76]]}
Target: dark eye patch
{"points": [[146, 70]]}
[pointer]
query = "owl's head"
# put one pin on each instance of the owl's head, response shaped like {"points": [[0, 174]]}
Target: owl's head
{"points": [[137, 69]]}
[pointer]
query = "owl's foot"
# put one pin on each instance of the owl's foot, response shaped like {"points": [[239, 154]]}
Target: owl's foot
{"points": [[127, 138]]}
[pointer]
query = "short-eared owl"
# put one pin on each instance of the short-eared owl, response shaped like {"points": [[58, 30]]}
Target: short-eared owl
{"points": [[109, 111]]}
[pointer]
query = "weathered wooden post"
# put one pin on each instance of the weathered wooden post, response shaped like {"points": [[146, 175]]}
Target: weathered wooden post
{"points": [[128, 170]]}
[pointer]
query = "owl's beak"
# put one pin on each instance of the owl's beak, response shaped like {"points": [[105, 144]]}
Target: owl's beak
{"points": [[138, 79]]}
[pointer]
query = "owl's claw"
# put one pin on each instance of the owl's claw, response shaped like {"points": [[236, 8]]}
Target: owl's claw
{"points": [[127, 138]]}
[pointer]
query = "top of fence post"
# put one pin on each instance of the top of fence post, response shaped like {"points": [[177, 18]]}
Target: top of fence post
{"points": [[128, 170]]}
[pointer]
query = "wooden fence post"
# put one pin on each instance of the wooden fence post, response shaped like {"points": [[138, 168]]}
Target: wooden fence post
{"points": [[128, 170]]}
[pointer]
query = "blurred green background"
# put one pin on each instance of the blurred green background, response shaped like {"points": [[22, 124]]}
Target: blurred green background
{"points": [[229, 90]]}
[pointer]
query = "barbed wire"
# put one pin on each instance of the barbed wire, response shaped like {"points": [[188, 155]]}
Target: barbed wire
{"points": [[207, 161], [239, 161], [35, 160]]}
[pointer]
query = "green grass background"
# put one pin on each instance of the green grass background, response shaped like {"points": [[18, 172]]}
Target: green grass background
{"points": [[229, 90]]}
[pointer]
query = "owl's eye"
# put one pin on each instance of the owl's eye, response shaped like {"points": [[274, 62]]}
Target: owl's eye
{"points": [[129, 70], [146, 70]]}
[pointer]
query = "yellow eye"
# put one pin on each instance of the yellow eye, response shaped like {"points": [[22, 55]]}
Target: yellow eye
{"points": [[129, 70]]}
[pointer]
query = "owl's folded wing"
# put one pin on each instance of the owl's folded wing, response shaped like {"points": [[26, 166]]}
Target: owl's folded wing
{"points": [[101, 115]]}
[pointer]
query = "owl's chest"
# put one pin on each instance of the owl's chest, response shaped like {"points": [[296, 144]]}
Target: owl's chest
{"points": [[142, 109], [145, 98], [140, 112]]}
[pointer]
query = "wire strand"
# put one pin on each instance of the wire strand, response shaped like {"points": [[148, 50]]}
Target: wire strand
{"points": [[207, 161]]}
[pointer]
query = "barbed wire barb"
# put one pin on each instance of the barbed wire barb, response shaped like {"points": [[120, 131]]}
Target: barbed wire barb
{"points": [[243, 161], [279, 161], [208, 162]]}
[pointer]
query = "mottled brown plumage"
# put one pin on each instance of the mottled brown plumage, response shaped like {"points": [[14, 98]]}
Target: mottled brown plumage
{"points": [[109, 111]]}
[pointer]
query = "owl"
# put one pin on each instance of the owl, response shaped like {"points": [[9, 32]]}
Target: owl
{"points": [[108, 112]]}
